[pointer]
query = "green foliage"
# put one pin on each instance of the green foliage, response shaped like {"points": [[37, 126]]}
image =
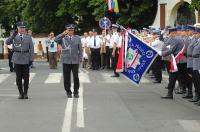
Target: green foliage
{"points": [[44, 16], [195, 4]]}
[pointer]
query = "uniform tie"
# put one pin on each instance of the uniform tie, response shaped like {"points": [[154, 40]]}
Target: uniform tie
{"points": [[95, 42], [21, 37]]}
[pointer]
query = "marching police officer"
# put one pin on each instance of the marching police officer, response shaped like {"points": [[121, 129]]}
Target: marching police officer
{"points": [[72, 54], [95, 45], [23, 54], [115, 51]]}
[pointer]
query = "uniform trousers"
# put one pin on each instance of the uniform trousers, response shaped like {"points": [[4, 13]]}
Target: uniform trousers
{"points": [[115, 60], [67, 69], [108, 57], [95, 55], [22, 72], [185, 79]]}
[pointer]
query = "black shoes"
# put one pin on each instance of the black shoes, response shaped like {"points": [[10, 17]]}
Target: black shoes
{"points": [[25, 96], [187, 96], [167, 97], [21, 96], [69, 95], [194, 99], [76, 96]]}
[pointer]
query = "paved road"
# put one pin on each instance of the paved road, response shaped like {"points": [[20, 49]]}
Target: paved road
{"points": [[105, 105]]}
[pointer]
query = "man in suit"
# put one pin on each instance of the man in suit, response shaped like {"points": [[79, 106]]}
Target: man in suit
{"points": [[72, 54], [23, 54]]}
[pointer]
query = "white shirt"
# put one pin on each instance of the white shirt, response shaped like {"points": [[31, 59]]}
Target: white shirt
{"points": [[88, 41], [108, 40], [119, 42], [52, 46], [98, 42], [84, 41], [114, 39]]}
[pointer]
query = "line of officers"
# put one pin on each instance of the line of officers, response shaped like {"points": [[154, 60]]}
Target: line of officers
{"points": [[175, 40], [101, 51]]}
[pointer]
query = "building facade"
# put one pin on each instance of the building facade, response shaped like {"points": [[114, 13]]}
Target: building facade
{"points": [[175, 12]]}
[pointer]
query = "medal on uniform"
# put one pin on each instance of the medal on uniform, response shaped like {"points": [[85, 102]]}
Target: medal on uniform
{"points": [[66, 47]]}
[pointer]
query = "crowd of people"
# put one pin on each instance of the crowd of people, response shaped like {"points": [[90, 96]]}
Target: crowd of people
{"points": [[181, 44], [100, 51]]}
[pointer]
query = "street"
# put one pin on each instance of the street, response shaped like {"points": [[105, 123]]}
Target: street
{"points": [[105, 105]]}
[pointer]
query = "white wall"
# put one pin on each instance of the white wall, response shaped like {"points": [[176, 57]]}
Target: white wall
{"points": [[171, 12]]}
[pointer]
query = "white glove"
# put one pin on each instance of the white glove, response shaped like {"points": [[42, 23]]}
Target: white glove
{"points": [[168, 46], [160, 53], [10, 46]]}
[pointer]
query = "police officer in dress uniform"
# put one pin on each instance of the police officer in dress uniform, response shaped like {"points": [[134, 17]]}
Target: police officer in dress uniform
{"points": [[72, 54], [192, 40], [95, 45], [10, 54], [196, 65], [115, 51], [176, 45], [184, 77], [23, 54]]}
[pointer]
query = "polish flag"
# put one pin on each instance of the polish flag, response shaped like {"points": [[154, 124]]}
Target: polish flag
{"points": [[120, 63], [175, 59]]}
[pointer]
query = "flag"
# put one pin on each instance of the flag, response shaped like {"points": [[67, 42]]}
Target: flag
{"points": [[116, 7], [120, 63], [137, 57], [110, 5], [175, 59], [113, 6]]}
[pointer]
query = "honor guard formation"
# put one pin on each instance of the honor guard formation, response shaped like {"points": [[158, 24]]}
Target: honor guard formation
{"points": [[100, 52]]}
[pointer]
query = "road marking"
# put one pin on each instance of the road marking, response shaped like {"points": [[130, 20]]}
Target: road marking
{"points": [[190, 125], [31, 76], [8, 95], [3, 77], [68, 116], [54, 78], [84, 78], [80, 113]]}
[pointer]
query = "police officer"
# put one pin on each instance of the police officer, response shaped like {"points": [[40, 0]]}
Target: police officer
{"points": [[115, 51], [72, 54], [95, 45], [192, 40], [176, 46], [196, 64], [23, 54], [10, 54]]}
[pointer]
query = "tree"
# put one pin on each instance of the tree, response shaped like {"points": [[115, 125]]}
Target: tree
{"points": [[134, 13], [195, 4], [52, 15]]}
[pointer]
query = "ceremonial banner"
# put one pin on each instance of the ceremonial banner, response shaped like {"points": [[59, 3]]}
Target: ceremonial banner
{"points": [[138, 57]]}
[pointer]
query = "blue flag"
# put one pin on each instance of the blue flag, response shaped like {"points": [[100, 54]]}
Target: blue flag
{"points": [[138, 57]]}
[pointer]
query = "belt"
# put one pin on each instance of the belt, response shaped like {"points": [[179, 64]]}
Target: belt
{"points": [[26, 51], [189, 55], [195, 56]]}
